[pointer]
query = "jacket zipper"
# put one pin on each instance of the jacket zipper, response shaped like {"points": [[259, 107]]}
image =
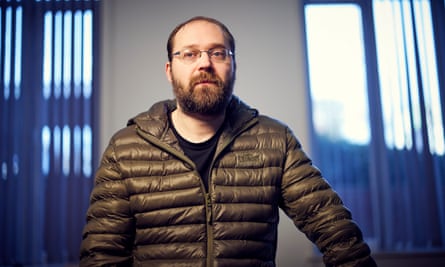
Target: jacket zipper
{"points": [[209, 214]]}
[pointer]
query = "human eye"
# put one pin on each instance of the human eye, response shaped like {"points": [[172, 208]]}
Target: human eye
{"points": [[190, 54], [218, 53]]}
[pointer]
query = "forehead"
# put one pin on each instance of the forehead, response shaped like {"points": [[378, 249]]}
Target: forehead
{"points": [[199, 34]]}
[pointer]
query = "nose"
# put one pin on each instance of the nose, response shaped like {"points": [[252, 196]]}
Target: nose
{"points": [[204, 61]]}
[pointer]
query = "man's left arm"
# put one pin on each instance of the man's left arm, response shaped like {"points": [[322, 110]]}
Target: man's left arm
{"points": [[317, 210]]}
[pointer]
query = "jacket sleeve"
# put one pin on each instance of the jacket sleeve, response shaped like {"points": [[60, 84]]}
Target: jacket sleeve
{"points": [[319, 213], [108, 234]]}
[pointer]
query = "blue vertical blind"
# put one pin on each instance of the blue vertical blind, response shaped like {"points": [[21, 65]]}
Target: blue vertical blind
{"points": [[48, 116], [376, 86]]}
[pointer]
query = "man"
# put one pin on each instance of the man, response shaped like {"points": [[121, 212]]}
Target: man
{"points": [[199, 180]]}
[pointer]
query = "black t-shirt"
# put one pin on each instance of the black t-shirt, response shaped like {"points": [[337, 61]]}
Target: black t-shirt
{"points": [[200, 153]]}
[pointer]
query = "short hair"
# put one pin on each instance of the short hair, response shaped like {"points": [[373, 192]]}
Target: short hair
{"points": [[227, 34]]}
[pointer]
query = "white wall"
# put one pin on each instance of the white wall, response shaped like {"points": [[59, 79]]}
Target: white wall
{"points": [[270, 77]]}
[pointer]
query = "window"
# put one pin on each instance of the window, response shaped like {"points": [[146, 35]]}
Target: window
{"points": [[378, 115], [48, 116]]}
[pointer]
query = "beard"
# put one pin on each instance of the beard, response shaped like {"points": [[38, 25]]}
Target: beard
{"points": [[209, 99]]}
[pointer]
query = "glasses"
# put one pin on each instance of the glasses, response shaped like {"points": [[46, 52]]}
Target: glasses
{"points": [[190, 55]]}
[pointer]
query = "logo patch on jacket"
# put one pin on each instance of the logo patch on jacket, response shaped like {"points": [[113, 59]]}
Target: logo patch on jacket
{"points": [[248, 159]]}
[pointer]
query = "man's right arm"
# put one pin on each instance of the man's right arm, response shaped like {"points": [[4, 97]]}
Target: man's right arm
{"points": [[108, 234]]}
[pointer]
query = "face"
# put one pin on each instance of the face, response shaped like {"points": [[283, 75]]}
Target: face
{"points": [[201, 87]]}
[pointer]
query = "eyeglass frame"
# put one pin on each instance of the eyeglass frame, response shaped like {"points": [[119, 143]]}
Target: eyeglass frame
{"points": [[228, 53]]}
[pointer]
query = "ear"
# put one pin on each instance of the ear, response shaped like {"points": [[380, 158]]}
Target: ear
{"points": [[168, 71]]}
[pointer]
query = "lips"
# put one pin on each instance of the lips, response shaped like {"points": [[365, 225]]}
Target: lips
{"points": [[205, 81]]}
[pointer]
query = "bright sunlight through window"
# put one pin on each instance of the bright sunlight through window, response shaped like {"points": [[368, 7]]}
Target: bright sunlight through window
{"points": [[337, 72]]}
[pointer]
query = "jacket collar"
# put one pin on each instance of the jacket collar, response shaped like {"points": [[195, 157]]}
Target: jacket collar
{"points": [[156, 123]]}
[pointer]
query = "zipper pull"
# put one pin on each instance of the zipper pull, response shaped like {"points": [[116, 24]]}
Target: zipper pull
{"points": [[209, 209]]}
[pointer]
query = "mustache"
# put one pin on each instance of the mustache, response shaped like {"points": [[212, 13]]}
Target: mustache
{"points": [[206, 77]]}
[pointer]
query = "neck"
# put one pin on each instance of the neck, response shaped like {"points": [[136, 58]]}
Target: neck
{"points": [[196, 128]]}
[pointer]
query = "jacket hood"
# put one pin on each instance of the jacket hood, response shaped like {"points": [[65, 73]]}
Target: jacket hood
{"points": [[156, 123]]}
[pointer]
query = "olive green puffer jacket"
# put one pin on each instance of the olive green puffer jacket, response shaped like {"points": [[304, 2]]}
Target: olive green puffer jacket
{"points": [[149, 206]]}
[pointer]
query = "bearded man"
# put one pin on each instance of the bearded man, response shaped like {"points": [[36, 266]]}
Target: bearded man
{"points": [[199, 180]]}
